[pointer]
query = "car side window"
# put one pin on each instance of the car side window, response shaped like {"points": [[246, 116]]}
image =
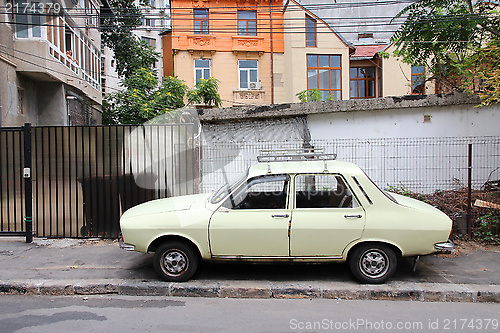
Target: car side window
{"points": [[322, 191], [264, 192]]}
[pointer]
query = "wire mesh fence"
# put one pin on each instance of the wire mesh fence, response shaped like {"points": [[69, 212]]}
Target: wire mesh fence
{"points": [[432, 169], [422, 165]]}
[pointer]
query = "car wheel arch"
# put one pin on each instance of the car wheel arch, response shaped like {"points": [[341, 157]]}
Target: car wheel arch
{"points": [[173, 238], [351, 249]]}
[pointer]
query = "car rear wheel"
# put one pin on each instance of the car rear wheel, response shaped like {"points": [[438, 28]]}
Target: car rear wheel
{"points": [[175, 262], [373, 263]]}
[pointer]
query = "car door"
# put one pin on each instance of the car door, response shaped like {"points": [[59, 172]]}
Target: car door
{"points": [[326, 216], [253, 221]]}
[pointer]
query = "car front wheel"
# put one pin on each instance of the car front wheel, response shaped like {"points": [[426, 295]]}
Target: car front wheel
{"points": [[175, 262], [373, 263]]}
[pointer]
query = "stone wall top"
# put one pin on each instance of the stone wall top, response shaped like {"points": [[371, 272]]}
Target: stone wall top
{"points": [[304, 109]]}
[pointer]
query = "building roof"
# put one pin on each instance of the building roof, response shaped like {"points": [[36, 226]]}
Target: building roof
{"points": [[366, 52]]}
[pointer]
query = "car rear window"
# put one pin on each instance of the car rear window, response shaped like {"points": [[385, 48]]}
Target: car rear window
{"points": [[362, 190], [390, 197]]}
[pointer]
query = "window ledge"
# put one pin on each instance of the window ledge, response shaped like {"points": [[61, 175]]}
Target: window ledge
{"points": [[245, 90]]}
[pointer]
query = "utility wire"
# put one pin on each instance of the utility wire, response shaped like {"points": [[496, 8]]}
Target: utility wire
{"points": [[263, 29]]}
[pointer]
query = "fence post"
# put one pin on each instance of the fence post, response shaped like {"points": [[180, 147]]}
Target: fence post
{"points": [[469, 194], [28, 190]]}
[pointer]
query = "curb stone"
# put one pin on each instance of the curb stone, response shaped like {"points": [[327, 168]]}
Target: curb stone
{"points": [[259, 289]]}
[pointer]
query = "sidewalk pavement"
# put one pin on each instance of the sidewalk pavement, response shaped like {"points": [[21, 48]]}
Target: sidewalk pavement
{"points": [[84, 267]]}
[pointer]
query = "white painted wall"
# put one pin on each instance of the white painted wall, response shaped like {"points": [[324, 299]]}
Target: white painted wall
{"points": [[446, 121], [397, 148]]}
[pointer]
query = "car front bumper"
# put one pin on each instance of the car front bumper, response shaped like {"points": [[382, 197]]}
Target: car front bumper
{"points": [[447, 246]]}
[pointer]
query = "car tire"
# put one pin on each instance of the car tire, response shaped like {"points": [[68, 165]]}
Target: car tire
{"points": [[373, 263], [175, 262]]}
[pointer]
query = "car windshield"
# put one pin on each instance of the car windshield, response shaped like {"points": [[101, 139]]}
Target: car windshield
{"points": [[226, 189]]}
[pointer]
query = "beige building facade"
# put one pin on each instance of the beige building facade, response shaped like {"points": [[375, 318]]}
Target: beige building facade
{"points": [[315, 57]]}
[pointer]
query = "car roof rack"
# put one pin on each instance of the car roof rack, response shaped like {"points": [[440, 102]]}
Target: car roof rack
{"points": [[299, 154]]}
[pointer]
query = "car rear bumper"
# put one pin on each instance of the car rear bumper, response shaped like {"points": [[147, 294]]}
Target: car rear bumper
{"points": [[447, 246], [125, 246]]}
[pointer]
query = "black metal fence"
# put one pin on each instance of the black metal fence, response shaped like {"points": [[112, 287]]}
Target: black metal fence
{"points": [[83, 178], [12, 185]]}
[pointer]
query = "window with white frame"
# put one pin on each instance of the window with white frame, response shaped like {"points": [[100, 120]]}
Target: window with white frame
{"points": [[248, 72], [201, 69], [28, 18]]}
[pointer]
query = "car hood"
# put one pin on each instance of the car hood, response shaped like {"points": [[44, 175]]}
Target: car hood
{"points": [[172, 204], [416, 204]]}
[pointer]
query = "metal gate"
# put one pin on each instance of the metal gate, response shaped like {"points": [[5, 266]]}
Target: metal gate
{"points": [[83, 177], [15, 159]]}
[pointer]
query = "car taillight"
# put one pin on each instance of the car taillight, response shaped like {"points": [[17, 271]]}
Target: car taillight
{"points": [[451, 233]]}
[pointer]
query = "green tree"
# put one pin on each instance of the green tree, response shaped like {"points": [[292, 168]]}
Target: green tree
{"points": [[206, 91], [143, 99], [313, 95], [483, 65], [444, 36], [116, 33]]}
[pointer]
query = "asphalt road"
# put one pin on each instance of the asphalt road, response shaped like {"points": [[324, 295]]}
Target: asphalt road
{"points": [[160, 314]]}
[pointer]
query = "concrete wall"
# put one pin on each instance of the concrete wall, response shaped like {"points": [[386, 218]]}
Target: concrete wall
{"points": [[52, 108], [414, 122]]}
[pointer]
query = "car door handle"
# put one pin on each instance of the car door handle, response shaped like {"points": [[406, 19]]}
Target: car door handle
{"points": [[280, 216], [353, 216]]}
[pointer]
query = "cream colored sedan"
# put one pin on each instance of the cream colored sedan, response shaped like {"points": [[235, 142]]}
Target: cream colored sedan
{"points": [[309, 211]]}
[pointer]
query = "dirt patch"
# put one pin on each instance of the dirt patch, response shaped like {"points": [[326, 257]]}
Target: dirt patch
{"points": [[70, 242]]}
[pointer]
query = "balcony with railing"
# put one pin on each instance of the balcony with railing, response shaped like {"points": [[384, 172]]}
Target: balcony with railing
{"points": [[53, 48]]}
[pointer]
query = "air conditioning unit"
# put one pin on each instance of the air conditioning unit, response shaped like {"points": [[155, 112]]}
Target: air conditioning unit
{"points": [[254, 85]]}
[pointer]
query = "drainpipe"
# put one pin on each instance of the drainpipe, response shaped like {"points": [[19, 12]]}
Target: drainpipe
{"points": [[272, 51]]}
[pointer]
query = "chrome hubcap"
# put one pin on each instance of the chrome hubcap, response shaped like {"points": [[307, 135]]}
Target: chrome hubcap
{"points": [[174, 262], [374, 263]]}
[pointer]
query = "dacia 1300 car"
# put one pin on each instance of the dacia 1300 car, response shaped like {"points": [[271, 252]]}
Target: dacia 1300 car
{"points": [[300, 206]]}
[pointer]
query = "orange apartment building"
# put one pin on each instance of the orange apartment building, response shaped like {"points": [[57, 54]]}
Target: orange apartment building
{"points": [[239, 42], [261, 58]]}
